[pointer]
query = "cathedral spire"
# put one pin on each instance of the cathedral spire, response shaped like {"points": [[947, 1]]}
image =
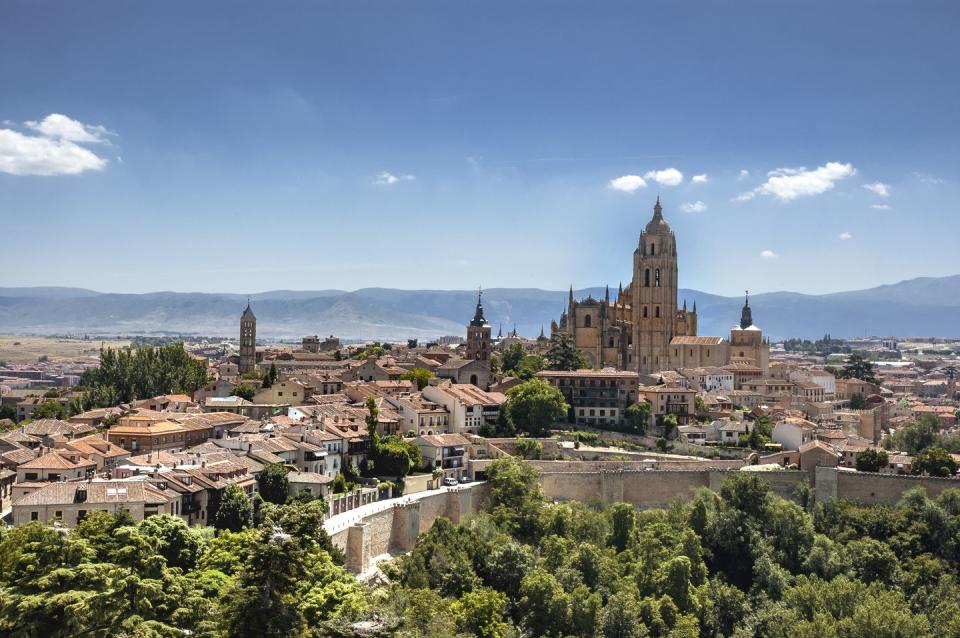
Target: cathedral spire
{"points": [[606, 295], [571, 293], [478, 319], [746, 315]]}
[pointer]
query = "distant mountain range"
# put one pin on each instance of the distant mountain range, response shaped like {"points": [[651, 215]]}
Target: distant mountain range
{"points": [[927, 306]]}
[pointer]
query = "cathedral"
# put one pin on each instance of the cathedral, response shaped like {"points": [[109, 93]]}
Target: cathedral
{"points": [[644, 329]]}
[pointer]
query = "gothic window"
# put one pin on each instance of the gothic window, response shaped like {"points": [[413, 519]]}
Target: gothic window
{"points": [[646, 278], [586, 321], [653, 249], [656, 278]]}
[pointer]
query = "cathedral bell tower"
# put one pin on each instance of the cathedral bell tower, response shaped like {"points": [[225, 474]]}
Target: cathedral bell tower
{"points": [[654, 291], [478, 334]]}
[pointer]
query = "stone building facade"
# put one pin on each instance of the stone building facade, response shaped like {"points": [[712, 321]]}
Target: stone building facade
{"points": [[644, 329]]}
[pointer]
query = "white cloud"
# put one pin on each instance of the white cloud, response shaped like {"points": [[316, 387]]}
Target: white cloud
{"points": [[768, 254], [666, 177], [845, 236], [699, 179], [881, 189], [744, 174], [695, 207], [386, 179], [627, 183], [880, 206], [61, 127], [928, 179], [54, 152], [787, 184]]}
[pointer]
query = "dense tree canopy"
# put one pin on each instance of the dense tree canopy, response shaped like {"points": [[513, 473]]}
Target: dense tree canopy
{"points": [[563, 355], [421, 375], [535, 405], [739, 562], [139, 373]]}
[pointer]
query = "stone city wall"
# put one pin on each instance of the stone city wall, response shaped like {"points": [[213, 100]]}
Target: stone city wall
{"points": [[396, 528], [874, 489]]}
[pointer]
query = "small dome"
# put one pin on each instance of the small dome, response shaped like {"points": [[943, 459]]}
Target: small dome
{"points": [[658, 225]]}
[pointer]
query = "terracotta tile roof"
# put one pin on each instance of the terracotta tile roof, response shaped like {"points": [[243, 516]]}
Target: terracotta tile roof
{"points": [[160, 427], [18, 457], [55, 461], [687, 340], [443, 440], [97, 493]]}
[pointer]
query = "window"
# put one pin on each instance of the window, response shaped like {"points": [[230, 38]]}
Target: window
{"points": [[653, 248], [646, 278], [58, 514], [586, 321], [657, 278], [657, 313], [644, 312], [34, 516]]}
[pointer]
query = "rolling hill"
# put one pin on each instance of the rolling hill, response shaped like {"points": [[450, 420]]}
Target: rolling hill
{"points": [[925, 306]]}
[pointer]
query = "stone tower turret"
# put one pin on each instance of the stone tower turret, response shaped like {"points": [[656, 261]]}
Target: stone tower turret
{"points": [[478, 334], [248, 340]]}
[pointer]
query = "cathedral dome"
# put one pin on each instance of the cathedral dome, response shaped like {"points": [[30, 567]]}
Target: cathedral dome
{"points": [[658, 225]]}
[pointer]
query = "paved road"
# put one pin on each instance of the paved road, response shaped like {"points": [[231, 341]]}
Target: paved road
{"points": [[344, 520]]}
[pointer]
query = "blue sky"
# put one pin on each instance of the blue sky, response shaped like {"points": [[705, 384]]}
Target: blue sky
{"points": [[239, 147]]}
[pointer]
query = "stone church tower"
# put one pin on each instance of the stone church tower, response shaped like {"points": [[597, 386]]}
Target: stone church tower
{"points": [[478, 334], [248, 340], [654, 294], [634, 331]]}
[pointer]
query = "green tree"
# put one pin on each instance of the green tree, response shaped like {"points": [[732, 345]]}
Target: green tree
{"points": [[535, 405], [264, 603], [273, 484], [857, 367], [142, 372], [934, 461], [49, 410], [638, 416], [515, 495], [480, 613], [396, 456], [544, 606], [563, 355], [871, 460], [529, 449], [421, 375], [510, 359], [529, 366], [244, 391], [623, 525], [620, 618], [858, 401], [235, 510]]}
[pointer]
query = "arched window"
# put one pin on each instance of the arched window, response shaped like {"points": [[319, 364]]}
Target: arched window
{"points": [[586, 321], [656, 278], [646, 278], [653, 248]]}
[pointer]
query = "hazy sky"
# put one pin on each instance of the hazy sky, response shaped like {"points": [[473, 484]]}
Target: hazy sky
{"points": [[236, 147]]}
